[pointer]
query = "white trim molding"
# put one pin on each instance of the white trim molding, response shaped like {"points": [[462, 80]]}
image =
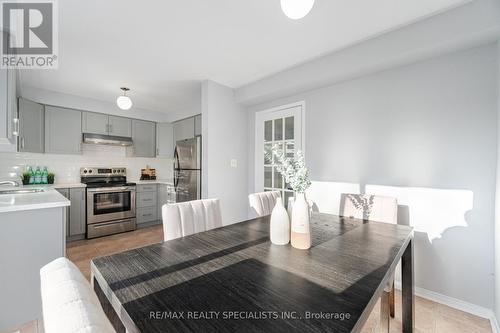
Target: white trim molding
{"points": [[457, 304]]}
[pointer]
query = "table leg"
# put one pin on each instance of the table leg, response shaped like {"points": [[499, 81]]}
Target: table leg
{"points": [[408, 289]]}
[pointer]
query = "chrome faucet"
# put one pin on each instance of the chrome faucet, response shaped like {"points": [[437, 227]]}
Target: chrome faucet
{"points": [[10, 182]]}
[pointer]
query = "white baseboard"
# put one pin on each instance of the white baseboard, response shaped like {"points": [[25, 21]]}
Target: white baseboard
{"points": [[457, 304]]}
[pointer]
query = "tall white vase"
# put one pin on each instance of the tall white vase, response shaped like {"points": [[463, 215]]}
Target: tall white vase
{"points": [[280, 224], [301, 232]]}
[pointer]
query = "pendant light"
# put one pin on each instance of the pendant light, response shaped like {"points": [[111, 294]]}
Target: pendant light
{"points": [[124, 102], [296, 9]]}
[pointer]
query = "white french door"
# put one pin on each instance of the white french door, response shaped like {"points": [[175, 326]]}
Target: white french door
{"points": [[280, 127]]}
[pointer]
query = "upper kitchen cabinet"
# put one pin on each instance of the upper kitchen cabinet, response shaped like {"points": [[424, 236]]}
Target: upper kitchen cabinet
{"points": [[184, 129], [9, 125], [197, 125], [31, 127], [144, 137], [63, 130], [95, 123], [119, 126], [165, 140], [98, 123]]}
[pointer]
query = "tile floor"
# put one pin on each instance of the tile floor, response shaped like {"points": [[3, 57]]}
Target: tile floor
{"points": [[430, 317]]}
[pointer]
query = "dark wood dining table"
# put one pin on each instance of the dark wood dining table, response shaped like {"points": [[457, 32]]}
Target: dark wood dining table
{"points": [[233, 279]]}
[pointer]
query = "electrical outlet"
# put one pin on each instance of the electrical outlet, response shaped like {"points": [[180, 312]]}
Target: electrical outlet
{"points": [[234, 163]]}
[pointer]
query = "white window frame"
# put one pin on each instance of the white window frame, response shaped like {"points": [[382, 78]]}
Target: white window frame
{"points": [[276, 112]]}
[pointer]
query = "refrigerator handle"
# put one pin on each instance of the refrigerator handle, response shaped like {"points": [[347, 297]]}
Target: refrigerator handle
{"points": [[177, 164]]}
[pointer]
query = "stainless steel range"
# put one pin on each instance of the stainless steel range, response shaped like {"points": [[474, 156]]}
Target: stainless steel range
{"points": [[110, 201]]}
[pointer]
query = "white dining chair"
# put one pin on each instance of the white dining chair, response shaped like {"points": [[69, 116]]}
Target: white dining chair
{"points": [[263, 202], [187, 218], [380, 209], [68, 302]]}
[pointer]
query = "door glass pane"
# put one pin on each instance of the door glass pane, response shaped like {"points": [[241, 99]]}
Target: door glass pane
{"points": [[278, 129], [268, 130], [278, 179], [290, 149], [268, 153], [289, 128], [279, 149], [268, 174]]}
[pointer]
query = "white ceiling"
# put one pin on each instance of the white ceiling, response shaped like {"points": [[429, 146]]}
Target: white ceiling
{"points": [[163, 49]]}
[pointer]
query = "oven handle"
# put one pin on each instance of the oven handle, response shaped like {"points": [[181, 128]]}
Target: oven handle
{"points": [[111, 189]]}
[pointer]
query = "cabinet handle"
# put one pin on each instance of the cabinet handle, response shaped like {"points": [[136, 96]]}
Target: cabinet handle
{"points": [[150, 214], [157, 151], [147, 199], [22, 142], [110, 130]]}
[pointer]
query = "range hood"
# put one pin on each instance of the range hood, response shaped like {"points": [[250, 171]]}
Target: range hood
{"points": [[98, 139]]}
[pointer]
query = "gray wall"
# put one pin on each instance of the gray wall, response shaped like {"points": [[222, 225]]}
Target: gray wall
{"points": [[224, 138], [423, 130]]}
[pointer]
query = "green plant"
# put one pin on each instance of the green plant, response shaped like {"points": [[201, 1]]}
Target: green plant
{"points": [[50, 178], [26, 177]]}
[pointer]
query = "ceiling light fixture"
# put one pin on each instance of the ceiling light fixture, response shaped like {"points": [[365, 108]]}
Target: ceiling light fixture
{"points": [[296, 9], [124, 102]]}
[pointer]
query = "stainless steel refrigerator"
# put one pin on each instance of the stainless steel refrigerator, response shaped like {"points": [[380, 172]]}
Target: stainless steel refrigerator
{"points": [[187, 169]]}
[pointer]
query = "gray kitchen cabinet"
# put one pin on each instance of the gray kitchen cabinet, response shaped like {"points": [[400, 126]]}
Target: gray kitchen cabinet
{"points": [[144, 137], [63, 130], [77, 218], [184, 129], [65, 193], [75, 214], [98, 123], [120, 126], [31, 127], [197, 125], [95, 123], [8, 110], [147, 204], [165, 140], [146, 199]]}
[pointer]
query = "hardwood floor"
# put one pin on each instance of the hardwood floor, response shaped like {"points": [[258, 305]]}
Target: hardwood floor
{"points": [[80, 252], [431, 317]]}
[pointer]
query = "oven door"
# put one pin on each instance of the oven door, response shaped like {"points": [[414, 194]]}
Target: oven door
{"points": [[110, 203]]}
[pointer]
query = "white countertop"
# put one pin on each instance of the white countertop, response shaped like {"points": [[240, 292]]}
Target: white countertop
{"points": [[50, 198], [157, 181]]}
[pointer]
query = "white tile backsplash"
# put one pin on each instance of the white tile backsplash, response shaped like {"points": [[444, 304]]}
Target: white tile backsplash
{"points": [[67, 167]]}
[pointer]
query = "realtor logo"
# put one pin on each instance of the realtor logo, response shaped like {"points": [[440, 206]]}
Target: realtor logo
{"points": [[29, 38]]}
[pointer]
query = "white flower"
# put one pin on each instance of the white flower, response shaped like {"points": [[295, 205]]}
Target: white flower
{"points": [[294, 170]]}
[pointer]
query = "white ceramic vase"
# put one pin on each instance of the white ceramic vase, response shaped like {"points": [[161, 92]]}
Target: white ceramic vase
{"points": [[280, 224], [301, 232]]}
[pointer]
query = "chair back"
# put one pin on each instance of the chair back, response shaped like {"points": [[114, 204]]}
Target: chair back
{"points": [[369, 207], [69, 304], [263, 202], [187, 218]]}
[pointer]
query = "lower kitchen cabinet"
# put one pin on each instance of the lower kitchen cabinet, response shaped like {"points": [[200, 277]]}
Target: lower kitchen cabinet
{"points": [[77, 220], [75, 214], [147, 203]]}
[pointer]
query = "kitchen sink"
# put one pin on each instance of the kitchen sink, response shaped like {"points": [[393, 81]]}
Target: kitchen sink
{"points": [[22, 191]]}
